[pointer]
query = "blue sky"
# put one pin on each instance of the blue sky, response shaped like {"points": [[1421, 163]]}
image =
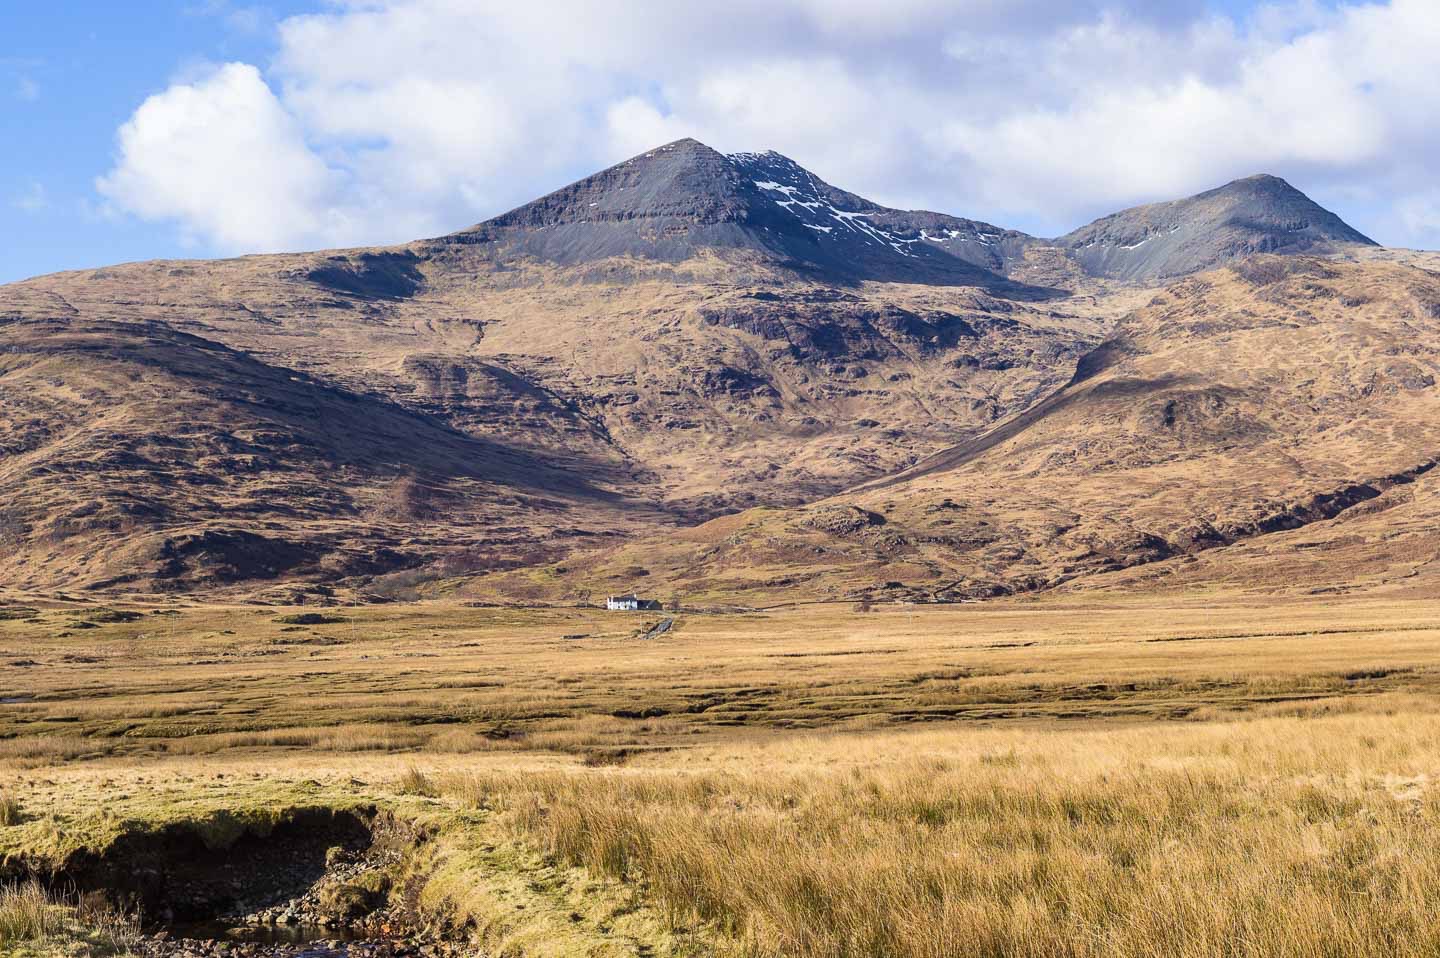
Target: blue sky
{"points": [[209, 127], [70, 74]]}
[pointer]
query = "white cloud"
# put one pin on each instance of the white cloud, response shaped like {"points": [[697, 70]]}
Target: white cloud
{"points": [[1418, 215], [27, 90], [383, 120], [634, 125], [224, 159], [240, 18]]}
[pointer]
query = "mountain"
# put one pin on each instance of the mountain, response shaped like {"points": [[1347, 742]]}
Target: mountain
{"points": [[720, 370], [697, 349], [1258, 214], [137, 454]]}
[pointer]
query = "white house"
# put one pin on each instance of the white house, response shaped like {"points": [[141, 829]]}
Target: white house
{"points": [[629, 603]]}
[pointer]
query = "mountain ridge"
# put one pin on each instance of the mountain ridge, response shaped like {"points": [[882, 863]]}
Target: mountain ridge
{"points": [[697, 196]]}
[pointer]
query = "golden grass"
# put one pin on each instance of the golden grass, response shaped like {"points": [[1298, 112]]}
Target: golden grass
{"points": [[440, 677], [10, 810], [340, 738], [1296, 836], [1123, 779], [416, 782], [27, 914], [48, 748]]}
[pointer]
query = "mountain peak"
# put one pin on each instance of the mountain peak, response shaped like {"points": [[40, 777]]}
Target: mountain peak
{"points": [[686, 143], [1266, 178], [1260, 185], [675, 199], [1256, 214], [683, 178]]}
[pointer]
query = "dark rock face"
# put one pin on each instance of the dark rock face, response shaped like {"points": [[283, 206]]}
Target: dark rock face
{"points": [[842, 520], [847, 328], [730, 381], [674, 200], [371, 275], [1259, 214]]}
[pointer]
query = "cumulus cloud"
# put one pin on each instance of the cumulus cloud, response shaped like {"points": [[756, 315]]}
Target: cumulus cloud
{"points": [[223, 158], [383, 120]]}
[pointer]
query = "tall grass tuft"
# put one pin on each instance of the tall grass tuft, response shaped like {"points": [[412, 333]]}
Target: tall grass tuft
{"points": [[416, 782], [28, 914]]}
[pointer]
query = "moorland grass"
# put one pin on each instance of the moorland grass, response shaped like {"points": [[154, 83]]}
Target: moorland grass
{"points": [[27, 913], [1126, 780], [444, 678], [1283, 836]]}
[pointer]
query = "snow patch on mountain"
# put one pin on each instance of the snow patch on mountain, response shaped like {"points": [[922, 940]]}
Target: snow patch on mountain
{"points": [[813, 202]]}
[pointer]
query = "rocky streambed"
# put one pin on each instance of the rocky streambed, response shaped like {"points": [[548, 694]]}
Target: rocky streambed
{"points": [[318, 884], [356, 909]]}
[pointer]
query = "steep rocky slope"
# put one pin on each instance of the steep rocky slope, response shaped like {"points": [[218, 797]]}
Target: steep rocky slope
{"points": [[683, 197]]}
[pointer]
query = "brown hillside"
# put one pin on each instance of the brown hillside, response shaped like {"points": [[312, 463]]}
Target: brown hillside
{"points": [[137, 454], [721, 385], [687, 336], [1234, 407]]}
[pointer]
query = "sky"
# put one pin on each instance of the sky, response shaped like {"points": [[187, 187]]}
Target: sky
{"points": [[199, 128]]}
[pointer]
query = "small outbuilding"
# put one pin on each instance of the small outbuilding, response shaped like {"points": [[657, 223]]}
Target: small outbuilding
{"points": [[629, 603]]}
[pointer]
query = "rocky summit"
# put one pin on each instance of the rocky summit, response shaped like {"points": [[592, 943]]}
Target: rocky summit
{"points": [[1259, 214], [684, 197], [719, 367]]}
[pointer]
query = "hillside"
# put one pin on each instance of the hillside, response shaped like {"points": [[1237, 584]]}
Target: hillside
{"points": [[135, 454], [1272, 425]]}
